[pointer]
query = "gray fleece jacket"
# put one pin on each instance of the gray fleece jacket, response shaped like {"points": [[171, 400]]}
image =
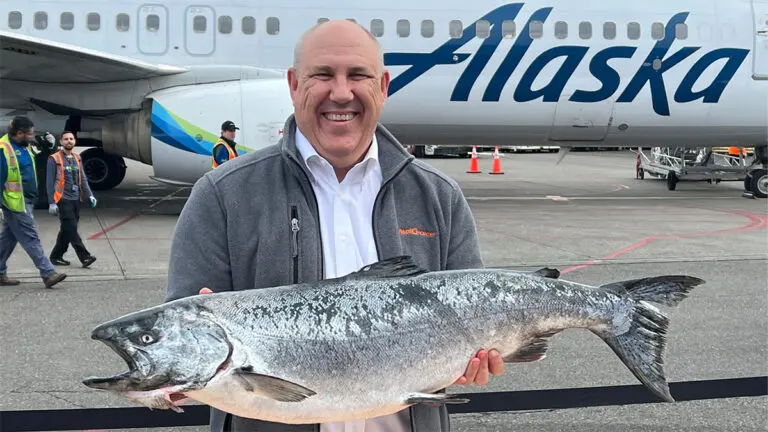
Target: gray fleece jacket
{"points": [[253, 223]]}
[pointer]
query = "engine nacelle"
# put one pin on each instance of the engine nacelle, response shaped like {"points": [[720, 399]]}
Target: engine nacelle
{"points": [[177, 127], [129, 134]]}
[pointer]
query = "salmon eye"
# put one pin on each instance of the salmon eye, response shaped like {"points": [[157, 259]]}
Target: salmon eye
{"points": [[146, 338]]}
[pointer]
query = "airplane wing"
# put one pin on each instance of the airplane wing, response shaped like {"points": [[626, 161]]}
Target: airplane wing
{"points": [[32, 59]]}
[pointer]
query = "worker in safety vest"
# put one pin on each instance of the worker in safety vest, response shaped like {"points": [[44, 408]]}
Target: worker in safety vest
{"points": [[224, 149], [18, 181], [67, 188]]}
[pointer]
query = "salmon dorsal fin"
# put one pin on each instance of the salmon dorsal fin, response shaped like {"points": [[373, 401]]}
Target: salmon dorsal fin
{"points": [[398, 266]]}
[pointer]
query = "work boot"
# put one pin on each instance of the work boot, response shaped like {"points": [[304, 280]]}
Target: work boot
{"points": [[7, 282], [53, 279], [88, 261]]}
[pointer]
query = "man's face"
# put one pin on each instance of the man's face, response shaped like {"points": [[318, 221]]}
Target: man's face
{"points": [[25, 136], [228, 134], [68, 141], [338, 92]]}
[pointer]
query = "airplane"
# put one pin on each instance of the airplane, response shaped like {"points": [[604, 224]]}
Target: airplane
{"points": [[153, 82]]}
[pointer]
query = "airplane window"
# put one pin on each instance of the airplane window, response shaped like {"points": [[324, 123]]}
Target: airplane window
{"points": [[657, 31], [508, 29], [273, 25], [352, 20], [67, 21], [14, 20], [483, 29], [377, 27], [681, 31], [199, 24], [455, 29], [248, 25], [123, 22], [322, 20], [93, 21], [633, 30], [403, 28], [585, 29], [536, 29], [561, 29], [609, 30], [41, 20], [225, 24], [153, 23], [427, 28]]}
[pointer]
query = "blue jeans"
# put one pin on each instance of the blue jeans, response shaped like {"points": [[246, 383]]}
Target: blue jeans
{"points": [[20, 228]]}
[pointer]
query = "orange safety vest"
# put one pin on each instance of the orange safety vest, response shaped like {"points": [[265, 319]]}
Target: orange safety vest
{"points": [[230, 150], [58, 185]]}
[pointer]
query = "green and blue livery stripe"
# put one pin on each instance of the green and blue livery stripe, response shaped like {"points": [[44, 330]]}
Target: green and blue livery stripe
{"points": [[181, 134]]}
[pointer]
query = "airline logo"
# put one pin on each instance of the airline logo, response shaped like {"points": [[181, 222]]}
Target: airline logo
{"points": [[649, 73]]}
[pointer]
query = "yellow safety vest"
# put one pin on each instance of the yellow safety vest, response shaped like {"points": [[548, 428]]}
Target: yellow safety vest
{"points": [[13, 192], [230, 150]]}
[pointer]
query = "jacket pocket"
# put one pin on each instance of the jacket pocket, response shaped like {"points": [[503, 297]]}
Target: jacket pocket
{"points": [[295, 244]]}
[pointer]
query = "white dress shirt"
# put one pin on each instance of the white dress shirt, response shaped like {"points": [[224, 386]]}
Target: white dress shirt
{"points": [[346, 227]]}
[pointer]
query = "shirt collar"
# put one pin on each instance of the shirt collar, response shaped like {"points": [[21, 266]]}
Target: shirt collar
{"points": [[309, 154]]}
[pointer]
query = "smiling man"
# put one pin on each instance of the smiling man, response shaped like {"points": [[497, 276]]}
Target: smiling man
{"points": [[336, 193]]}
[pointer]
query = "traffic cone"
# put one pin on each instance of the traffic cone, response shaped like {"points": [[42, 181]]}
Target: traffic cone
{"points": [[474, 166], [496, 163]]}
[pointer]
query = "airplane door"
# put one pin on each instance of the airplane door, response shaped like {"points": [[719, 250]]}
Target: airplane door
{"points": [[580, 121], [760, 56], [153, 29], [200, 30]]}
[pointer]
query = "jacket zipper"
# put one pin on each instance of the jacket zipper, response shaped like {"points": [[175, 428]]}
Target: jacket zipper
{"points": [[321, 259], [295, 242]]}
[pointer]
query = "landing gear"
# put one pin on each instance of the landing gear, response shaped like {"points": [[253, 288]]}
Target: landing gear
{"points": [[756, 181], [105, 171]]}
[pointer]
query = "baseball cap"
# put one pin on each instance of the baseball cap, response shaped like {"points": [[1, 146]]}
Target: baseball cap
{"points": [[229, 125]]}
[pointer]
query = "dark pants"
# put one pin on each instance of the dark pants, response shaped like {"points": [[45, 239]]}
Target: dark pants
{"points": [[69, 216]]}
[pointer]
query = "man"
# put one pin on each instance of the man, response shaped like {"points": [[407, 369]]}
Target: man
{"points": [[18, 180], [67, 188], [224, 149], [336, 193]]}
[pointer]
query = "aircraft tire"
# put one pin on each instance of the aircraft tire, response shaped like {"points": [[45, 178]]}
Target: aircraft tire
{"points": [[759, 183], [105, 171]]}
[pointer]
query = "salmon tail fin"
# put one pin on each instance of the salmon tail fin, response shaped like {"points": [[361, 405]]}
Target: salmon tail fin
{"points": [[641, 342]]}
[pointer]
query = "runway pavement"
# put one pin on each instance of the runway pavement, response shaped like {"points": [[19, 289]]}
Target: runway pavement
{"points": [[588, 217]]}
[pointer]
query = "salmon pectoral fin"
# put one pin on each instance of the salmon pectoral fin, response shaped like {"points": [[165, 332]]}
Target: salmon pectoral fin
{"points": [[271, 387], [434, 399]]}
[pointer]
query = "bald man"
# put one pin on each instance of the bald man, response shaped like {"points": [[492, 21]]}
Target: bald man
{"points": [[338, 192]]}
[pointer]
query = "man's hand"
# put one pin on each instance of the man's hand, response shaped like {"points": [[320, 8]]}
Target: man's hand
{"points": [[93, 201], [53, 209], [205, 291], [479, 366]]}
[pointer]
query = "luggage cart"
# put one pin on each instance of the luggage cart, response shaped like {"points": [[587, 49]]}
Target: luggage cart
{"points": [[677, 164]]}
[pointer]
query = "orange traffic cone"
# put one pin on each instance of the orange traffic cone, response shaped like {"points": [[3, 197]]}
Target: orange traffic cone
{"points": [[474, 167], [496, 163]]}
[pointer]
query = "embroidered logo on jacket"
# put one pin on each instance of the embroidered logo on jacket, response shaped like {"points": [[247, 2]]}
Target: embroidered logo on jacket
{"points": [[416, 231]]}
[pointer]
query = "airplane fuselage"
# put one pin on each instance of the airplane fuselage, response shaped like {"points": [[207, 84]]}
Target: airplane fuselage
{"points": [[590, 73]]}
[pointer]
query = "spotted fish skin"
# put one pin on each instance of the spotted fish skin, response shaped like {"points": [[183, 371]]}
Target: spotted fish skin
{"points": [[375, 341]]}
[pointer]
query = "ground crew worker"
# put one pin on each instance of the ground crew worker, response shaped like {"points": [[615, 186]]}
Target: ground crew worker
{"points": [[18, 181], [67, 187], [224, 149]]}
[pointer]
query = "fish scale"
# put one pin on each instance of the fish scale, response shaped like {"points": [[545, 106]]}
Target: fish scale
{"points": [[373, 342]]}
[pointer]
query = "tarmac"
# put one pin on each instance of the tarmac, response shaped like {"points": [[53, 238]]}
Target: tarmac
{"points": [[587, 216]]}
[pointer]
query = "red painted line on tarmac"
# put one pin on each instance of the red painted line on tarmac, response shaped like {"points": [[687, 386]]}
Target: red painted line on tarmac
{"points": [[111, 227], [757, 222]]}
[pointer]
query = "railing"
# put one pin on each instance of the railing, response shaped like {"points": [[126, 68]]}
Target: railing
{"points": [[483, 402]]}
